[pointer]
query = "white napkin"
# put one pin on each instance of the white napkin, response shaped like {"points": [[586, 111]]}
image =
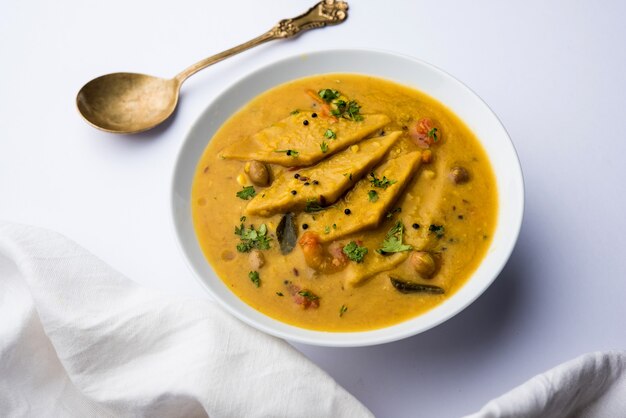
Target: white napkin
{"points": [[77, 339], [590, 386]]}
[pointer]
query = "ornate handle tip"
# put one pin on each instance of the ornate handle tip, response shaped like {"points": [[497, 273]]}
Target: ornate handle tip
{"points": [[326, 12]]}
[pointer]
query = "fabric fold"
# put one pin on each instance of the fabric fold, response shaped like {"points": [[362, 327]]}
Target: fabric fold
{"points": [[590, 386], [79, 339]]}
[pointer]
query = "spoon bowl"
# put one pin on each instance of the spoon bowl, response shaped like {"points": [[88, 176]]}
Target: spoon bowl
{"points": [[127, 102]]}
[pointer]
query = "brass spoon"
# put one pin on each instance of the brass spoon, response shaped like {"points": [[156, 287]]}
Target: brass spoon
{"points": [[130, 102]]}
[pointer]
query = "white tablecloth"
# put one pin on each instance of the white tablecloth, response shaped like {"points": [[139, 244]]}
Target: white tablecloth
{"points": [[553, 72], [78, 339]]}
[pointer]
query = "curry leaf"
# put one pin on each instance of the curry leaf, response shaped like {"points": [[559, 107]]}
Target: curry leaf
{"points": [[312, 205], [404, 286], [287, 233]]}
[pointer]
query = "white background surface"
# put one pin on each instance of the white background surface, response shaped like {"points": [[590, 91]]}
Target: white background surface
{"points": [[554, 72]]}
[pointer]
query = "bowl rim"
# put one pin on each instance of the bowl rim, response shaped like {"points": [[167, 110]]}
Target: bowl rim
{"points": [[356, 338]]}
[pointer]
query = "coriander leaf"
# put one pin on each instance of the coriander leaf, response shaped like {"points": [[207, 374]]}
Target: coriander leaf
{"points": [[252, 238], [247, 193], [342, 310], [355, 252], [328, 95], [372, 195], [393, 241], [349, 110], [244, 247], [381, 183], [353, 110], [327, 229], [433, 134], [295, 112], [324, 147], [254, 277], [308, 294], [279, 294], [340, 107], [291, 152], [330, 134]]}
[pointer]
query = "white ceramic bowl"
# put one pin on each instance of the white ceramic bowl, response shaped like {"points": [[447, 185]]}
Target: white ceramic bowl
{"points": [[405, 70]]}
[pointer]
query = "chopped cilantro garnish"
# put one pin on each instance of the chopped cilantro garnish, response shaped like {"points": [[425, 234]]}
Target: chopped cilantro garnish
{"points": [[340, 107], [433, 134], [372, 195], [279, 294], [328, 95], [342, 310], [242, 219], [438, 230], [312, 205], [353, 111], [254, 277], [327, 229], [381, 183], [324, 147], [291, 152], [355, 252], [252, 238], [308, 294], [393, 241], [295, 112], [330, 134], [247, 193]]}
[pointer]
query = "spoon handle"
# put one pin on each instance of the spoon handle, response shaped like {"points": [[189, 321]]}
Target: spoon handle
{"points": [[326, 12]]}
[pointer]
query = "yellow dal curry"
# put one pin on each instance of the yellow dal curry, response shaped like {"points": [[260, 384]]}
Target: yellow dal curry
{"points": [[344, 202]]}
